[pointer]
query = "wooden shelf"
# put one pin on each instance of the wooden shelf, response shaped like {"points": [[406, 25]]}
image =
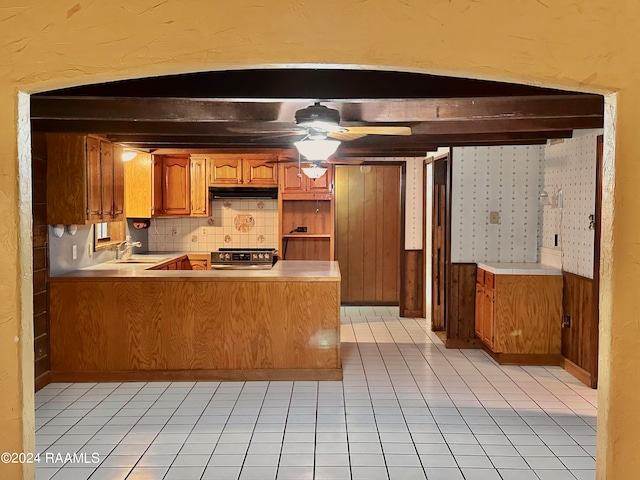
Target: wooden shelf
{"points": [[307, 235]]}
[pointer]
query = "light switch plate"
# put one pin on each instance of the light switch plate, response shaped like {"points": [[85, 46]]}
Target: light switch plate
{"points": [[494, 218], [74, 252]]}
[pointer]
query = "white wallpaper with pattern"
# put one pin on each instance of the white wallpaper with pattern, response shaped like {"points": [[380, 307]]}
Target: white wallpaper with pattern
{"points": [[414, 204], [220, 229], [571, 166], [506, 179]]}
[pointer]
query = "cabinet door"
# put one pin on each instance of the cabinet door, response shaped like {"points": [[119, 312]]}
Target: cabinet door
{"points": [[324, 184], [480, 300], [118, 183], [176, 189], [261, 172], [199, 187], [157, 187], [106, 170], [199, 265], [139, 186], [488, 323], [225, 171], [94, 180], [291, 178]]}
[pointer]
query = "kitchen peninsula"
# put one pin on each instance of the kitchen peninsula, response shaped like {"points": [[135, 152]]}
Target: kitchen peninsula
{"points": [[130, 322]]}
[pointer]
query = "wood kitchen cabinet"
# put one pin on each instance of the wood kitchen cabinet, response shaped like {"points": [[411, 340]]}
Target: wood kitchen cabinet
{"points": [[179, 186], [518, 316], [85, 180], [185, 262], [294, 184], [248, 170], [485, 300]]}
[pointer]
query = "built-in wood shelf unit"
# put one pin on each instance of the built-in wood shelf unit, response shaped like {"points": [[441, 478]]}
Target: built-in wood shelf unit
{"points": [[317, 215]]}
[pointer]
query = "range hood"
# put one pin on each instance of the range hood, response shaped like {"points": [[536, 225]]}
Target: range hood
{"points": [[243, 192]]}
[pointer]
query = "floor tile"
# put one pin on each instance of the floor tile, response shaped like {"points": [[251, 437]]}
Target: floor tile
{"points": [[405, 403]]}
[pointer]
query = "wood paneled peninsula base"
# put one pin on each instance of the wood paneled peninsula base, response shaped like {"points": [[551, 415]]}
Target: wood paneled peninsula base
{"points": [[133, 324]]}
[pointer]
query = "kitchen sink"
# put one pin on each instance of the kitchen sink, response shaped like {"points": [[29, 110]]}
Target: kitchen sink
{"points": [[137, 260], [149, 259]]}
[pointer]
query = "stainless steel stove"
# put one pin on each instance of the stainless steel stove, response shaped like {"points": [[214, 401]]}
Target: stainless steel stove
{"points": [[242, 259]]}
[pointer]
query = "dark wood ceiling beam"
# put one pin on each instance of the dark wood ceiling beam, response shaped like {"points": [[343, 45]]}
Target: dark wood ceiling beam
{"points": [[181, 110], [265, 140], [228, 129]]}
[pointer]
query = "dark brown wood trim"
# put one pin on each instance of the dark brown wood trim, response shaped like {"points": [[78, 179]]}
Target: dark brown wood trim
{"points": [[412, 284], [43, 380], [193, 375], [456, 343], [596, 259], [164, 109], [580, 373], [447, 237], [526, 358], [413, 314]]}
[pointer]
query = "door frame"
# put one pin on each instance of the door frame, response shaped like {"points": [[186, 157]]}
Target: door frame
{"points": [[447, 236], [403, 173]]}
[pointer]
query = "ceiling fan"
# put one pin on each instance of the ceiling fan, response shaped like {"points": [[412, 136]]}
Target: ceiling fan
{"points": [[318, 122], [321, 122]]}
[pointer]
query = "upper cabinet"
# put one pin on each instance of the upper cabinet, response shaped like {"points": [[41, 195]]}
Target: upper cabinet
{"points": [[295, 184], [199, 187], [166, 185], [179, 186], [85, 180], [248, 170]]}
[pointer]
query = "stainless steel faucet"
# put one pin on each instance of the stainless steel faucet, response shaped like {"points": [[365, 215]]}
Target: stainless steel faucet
{"points": [[125, 249]]}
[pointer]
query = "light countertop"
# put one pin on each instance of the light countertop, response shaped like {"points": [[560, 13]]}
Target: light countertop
{"points": [[285, 270], [519, 268]]}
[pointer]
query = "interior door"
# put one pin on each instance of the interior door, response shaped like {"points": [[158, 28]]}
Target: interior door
{"points": [[368, 233], [439, 243]]}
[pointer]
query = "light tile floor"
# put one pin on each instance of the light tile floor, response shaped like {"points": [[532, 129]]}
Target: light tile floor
{"points": [[406, 409]]}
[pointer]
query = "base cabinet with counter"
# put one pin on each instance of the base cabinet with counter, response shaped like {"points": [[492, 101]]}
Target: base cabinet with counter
{"points": [[133, 323], [519, 313]]}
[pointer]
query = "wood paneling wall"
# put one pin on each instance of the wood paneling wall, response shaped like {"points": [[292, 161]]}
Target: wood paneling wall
{"points": [[412, 300], [40, 259], [368, 233], [154, 329], [580, 328], [461, 306]]}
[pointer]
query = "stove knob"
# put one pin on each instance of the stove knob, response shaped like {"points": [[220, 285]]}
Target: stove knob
{"points": [[261, 256], [255, 256]]}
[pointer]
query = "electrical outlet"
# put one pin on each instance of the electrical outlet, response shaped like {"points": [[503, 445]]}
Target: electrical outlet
{"points": [[74, 252], [494, 218], [301, 229], [203, 230]]}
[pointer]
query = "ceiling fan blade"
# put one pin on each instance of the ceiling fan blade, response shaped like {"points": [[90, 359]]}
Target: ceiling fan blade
{"points": [[346, 136], [373, 130]]}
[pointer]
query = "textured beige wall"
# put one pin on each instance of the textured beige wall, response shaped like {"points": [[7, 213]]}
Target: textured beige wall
{"points": [[590, 45]]}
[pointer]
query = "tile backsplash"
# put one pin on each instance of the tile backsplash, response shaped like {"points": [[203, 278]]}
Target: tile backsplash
{"points": [[234, 223]]}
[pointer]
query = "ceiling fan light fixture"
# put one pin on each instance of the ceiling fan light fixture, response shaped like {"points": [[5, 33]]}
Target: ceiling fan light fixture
{"points": [[314, 172], [317, 149], [129, 155]]}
